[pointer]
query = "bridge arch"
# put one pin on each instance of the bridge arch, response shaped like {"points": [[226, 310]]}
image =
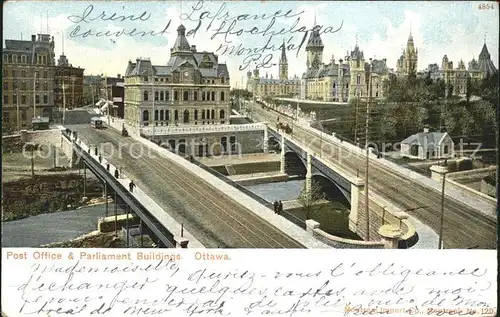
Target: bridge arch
{"points": [[332, 191], [294, 164]]}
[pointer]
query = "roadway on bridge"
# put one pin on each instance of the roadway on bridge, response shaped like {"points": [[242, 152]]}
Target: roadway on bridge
{"points": [[464, 227], [215, 219]]}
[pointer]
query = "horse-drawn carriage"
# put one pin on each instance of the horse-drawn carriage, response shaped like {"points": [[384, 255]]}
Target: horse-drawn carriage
{"points": [[284, 127]]}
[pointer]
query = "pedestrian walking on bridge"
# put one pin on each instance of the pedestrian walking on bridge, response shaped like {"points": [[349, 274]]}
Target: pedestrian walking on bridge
{"points": [[131, 186], [280, 207], [116, 173], [275, 205]]}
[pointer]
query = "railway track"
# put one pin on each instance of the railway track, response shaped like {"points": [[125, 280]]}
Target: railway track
{"points": [[464, 227], [214, 218]]}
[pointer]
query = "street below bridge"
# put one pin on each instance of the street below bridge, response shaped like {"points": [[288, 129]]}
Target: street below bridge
{"points": [[214, 218], [464, 227]]}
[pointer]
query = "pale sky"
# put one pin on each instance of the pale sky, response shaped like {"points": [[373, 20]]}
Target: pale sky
{"points": [[457, 29]]}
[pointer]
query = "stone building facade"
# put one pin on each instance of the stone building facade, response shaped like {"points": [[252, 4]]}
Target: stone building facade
{"points": [[28, 81], [343, 80], [281, 86], [408, 62], [456, 78], [68, 84], [192, 89]]}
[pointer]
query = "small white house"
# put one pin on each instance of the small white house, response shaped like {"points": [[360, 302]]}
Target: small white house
{"points": [[428, 145]]}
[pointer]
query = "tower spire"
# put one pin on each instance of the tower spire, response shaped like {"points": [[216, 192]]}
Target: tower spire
{"points": [[314, 19], [47, 21], [62, 36], [356, 39]]}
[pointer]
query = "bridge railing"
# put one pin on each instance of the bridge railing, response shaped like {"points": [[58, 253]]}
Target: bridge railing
{"points": [[129, 198], [173, 130]]}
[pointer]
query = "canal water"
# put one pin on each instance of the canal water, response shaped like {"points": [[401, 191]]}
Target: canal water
{"points": [[49, 228], [288, 190]]}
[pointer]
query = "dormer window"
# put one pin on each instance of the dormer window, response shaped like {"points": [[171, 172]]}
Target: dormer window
{"points": [[145, 78]]}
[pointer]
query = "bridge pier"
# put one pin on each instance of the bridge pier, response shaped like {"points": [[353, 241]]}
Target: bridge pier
{"points": [[266, 142], [353, 215], [309, 175], [282, 157]]}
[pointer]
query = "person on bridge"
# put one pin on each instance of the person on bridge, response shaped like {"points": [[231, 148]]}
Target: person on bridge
{"points": [[95, 151], [116, 173], [280, 207], [107, 167], [131, 186], [100, 158], [275, 205]]}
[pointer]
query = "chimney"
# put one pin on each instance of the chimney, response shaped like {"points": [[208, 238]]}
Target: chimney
{"points": [[33, 38], [426, 130], [193, 48]]}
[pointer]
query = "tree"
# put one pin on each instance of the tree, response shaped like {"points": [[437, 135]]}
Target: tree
{"points": [[308, 201]]}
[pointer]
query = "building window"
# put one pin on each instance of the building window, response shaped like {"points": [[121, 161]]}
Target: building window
{"points": [[186, 96], [14, 74], [145, 116], [176, 97], [176, 115], [156, 96], [23, 99], [167, 115], [46, 99], [445, 150], [162, 95], [14, 99], [186, 116], [213, 81], [212, 114], [232, 142], [203, 96], [156, 79], [24, 85], [5, 85], [5, 73], [222, 96], [223, 142], [23, 59], [195, 95], [45, 74], [5, 99], [156, 115], [23, 114], [222, 80], [14, 58], [203, 114], [45, 85], [146, 95], [5, 117], [37, 99], [221, 114], [5, 58], [162, 115], [213, 95], [358, 79], [145, 78], [167, 95]]}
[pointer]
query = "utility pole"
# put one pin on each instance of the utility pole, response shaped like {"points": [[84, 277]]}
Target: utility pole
{"points": [[440, 246], [356, 122], [64, 103], [34, 93], [367, 210], [17, 110], [73, 97]]}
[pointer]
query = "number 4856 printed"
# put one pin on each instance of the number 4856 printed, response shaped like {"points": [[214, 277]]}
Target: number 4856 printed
{"points": [[486, 6]]}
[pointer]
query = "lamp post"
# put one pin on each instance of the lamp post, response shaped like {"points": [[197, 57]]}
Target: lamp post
{"points": [[441, 225], [367, 210]]}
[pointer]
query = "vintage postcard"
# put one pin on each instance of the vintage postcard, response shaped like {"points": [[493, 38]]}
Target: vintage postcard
{"points": [[143, 141]]}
